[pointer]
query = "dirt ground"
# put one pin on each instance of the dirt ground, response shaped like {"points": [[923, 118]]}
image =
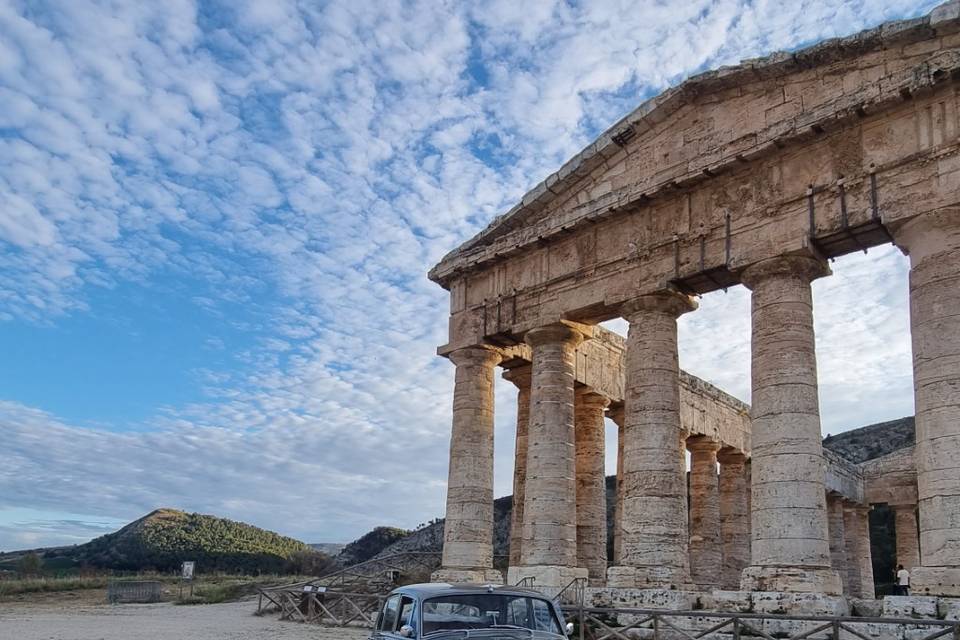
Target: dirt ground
{"points": [[85, 618]]}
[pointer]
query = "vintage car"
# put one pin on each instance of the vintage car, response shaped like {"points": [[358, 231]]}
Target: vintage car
{"points": [[445, 611]]}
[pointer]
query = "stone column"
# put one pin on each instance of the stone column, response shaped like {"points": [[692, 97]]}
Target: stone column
{"points": [[734, 517], [790, 550], [838, 538], [520, 376], [653, 551], [856, 526], [851, 580], [468, 532], [908, 542], [591, 485], [933, 243], [616, 414], [548, 552], [706, 551]]}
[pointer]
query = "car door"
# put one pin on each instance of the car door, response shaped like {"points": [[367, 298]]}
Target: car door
{"points": [[397, 612], [387, 621]]}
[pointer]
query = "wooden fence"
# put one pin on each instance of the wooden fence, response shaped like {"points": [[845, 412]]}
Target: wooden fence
{"points": [[129, 591]]}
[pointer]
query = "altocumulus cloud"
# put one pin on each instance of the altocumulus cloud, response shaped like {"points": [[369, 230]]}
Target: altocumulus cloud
{"points": [[310, 161]]}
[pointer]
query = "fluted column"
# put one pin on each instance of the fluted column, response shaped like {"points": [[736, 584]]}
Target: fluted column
{"points": [[905, 529], [591, 485], [933, 243], [734, 517], [520, 376], [706, 551], [838, 537], [548, 550], [790, 550], [468, 531], [856, 526], [653, 551]]}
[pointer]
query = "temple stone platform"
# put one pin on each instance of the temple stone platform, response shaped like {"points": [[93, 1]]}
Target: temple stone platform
{"points": [[704, 610]]}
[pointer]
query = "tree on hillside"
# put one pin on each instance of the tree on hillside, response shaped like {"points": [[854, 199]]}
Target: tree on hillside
{"points": [[309, 563], [29, 565]]}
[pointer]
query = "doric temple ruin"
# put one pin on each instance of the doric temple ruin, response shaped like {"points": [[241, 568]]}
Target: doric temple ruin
{"points": [[757, 175]]}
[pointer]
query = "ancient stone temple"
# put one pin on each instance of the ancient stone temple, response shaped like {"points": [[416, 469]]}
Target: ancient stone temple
{"points": [[753, 175]]}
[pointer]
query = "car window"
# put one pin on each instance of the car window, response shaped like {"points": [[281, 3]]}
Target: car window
{"points": [[486, 611], [406, 611], [543, 617], [518, 612], [388, 619]]}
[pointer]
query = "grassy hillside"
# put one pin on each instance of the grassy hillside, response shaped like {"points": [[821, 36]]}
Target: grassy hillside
{"points": [[164, 538]]}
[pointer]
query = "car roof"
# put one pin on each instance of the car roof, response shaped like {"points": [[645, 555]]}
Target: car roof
{"points": [[434, 589]]}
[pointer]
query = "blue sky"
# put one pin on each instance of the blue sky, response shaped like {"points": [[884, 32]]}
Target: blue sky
{"points": [[216, 220]]}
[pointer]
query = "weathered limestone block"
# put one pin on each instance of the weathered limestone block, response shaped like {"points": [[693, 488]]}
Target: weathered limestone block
{"points": [[790, 603], [910, 607], [520, 376], [591, 485], [789, 520], [949, 608], [706, 550], [905, 531], [468, 532], [838, 541], [734, 516], [654, 523], [612, 598], [549, 545], [933, 243]]}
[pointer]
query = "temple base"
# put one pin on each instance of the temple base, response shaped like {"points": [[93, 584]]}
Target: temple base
{"points": [[626, 577], [467, 576], [791, 580], [545, 576], [935, 581]]}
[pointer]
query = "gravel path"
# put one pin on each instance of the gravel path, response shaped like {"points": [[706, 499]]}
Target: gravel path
{"points": [[230, 621]]}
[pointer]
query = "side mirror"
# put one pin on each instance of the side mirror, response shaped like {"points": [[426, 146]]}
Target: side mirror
{"points": [[569, 628], [406, 631]]}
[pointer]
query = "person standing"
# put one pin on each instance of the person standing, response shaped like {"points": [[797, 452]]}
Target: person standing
{"points": [[903, 581]]}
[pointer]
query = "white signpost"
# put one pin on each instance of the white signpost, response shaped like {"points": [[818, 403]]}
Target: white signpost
{"points": [[186, 573]]}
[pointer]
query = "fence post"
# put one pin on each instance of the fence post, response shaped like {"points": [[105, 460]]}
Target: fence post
{"points": [[736, 628], [582, 620], [836, 630]]}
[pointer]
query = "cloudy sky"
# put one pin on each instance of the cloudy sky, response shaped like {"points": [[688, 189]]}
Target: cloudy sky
{"points": [[215, 221]]}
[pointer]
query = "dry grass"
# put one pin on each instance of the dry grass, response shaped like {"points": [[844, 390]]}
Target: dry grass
{"points": [[47, 585]]}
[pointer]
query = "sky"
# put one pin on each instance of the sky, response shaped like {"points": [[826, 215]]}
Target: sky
{"points": [[216, 219]]}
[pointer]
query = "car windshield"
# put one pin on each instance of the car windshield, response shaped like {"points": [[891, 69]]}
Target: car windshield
{"points": [[490, 611]]}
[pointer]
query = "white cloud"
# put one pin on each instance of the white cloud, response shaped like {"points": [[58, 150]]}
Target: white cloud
{"points": [[328, 154]]}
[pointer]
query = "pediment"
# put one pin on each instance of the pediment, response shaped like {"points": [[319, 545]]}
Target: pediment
{"points": [[721, 119]]}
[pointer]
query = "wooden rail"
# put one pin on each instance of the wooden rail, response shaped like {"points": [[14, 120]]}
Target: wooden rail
{"points": [[592, 623]]}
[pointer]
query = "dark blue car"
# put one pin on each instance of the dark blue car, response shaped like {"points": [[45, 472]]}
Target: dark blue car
{"points": [[446, 611]]}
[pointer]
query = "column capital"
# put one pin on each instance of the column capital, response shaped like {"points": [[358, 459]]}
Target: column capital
{"points": [[730, 456], [856, 507], [669, 302], [615, 413], [479, 355], [928, 234], [519, 376], [702, 444], [587, 397], [568, 332], [803, 267]]}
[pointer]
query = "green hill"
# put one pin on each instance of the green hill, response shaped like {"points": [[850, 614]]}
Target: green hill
{"points": [[163, 539]]}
